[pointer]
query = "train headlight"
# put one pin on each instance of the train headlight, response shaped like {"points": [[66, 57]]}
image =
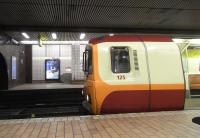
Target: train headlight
{"points": [[87, 98]]}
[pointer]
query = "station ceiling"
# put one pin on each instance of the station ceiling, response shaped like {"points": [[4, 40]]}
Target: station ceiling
{"points": [[61, 36], [100, 15]]}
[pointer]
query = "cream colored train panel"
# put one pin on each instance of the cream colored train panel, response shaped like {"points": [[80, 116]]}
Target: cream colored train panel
{"points": [[135, 76], [166, 75], [164, 63]]}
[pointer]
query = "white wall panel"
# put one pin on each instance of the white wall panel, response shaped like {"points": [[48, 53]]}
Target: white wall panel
{"points": [[65, 66], [53, 51], [194, 65], [38, 51], [63, 52], [38, 71], [77, 73]]}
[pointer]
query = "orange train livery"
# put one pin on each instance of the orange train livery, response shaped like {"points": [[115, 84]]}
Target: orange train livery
{"points": [[133, 74]]}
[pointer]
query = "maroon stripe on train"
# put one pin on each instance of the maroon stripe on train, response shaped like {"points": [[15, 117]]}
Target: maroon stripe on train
{"points": [[167, 100], [115, 39], [130, 39], [156, 38], [126, 101], [142, 101]]}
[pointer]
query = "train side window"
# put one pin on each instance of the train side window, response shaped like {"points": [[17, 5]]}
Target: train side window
{"points": [[87, 61], [120, 62]]}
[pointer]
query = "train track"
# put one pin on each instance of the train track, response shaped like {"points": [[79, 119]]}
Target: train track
{"points": [[41, 103]]}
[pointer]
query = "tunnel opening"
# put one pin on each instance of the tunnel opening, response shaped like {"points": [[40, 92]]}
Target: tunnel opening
{"points": [[3, 73]]}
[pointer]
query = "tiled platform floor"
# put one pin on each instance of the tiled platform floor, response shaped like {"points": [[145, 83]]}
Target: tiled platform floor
{"points": [[139, 125]]}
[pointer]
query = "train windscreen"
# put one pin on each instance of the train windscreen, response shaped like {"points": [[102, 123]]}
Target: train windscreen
{"points": [[120, 62]]}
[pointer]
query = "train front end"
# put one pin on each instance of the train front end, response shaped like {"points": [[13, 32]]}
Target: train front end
{"points": [[133, 74]]}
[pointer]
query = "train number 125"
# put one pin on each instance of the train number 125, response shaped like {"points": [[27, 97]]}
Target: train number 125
{"points": [[121, 77]]}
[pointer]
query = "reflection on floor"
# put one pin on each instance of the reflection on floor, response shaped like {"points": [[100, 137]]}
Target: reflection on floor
{"points": [[46, 86], [171, 124], [192, 103]]}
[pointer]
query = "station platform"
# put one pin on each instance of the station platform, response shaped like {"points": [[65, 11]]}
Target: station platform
{"points": [[36, 86], [171, 124]]}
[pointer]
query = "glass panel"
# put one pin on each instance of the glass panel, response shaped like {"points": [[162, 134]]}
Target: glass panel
{"points": [[191, 63], [88, 60], [120, 60]]}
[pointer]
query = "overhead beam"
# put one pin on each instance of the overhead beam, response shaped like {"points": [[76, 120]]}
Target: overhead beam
{"points": [[100, 30]]}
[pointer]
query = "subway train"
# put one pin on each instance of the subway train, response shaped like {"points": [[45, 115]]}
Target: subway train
{"points": [[126, 74]]}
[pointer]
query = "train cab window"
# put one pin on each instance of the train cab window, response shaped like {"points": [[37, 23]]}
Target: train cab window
{"points": [[87, 61], [120, 62]]}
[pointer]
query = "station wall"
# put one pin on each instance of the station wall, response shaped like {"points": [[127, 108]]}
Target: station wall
{"points": [[19, 52], [70, 60], [194, 61]]}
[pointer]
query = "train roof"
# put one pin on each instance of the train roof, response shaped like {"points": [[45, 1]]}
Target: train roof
{"points": [[131, 39]]}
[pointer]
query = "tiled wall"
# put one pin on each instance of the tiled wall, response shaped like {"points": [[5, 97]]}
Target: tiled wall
{"points": [[70, 60], [62, 52], [77, 51]]}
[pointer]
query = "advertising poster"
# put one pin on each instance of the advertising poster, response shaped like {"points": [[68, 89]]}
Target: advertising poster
{"points": [[14, 67], [52, 69]]}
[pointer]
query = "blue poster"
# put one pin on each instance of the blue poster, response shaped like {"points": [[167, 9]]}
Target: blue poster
{"points": [[52, 69], [14, 68]]}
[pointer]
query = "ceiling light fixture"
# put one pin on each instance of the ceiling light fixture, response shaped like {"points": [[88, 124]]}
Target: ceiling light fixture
{"points": [[29, 42], [54, 36], [191, 41], [54, 42], [63, 42], [178, 40], [14, 41], [194, 41], [25, 35], [82, 36]]}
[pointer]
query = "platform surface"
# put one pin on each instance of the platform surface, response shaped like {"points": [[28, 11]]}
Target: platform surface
{"points": [[36, 86], [170, 124]]}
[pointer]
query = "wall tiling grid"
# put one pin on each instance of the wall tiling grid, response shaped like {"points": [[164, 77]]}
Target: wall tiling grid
{"points": [[71, 59], [77, 51], [62, 52]]}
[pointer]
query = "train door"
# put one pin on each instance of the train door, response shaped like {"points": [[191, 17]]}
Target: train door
{"points": [[140, 73], [166, 76], [3, 73]]}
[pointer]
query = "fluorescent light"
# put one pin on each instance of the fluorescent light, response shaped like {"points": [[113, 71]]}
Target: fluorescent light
{"points": [[54, 42], [194, 41], [63, 42], [29, 42], [178, 40], [82, 36], [111, 34], [25, 35], [191, 41], [14, 41], [54, 36]]}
